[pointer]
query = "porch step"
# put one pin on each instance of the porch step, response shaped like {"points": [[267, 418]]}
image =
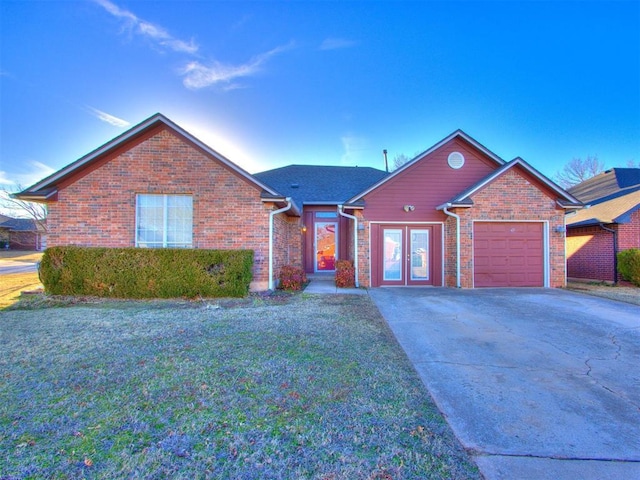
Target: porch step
{"points": [[319, 283]]}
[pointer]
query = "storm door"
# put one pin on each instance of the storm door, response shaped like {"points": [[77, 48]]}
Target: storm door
{"points": [[326, 246]]}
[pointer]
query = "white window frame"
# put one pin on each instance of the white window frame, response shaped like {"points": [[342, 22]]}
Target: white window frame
{"points": [[165, 223]]}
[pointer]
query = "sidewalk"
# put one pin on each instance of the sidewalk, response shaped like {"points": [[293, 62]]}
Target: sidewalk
{"points": [[325, 283]]}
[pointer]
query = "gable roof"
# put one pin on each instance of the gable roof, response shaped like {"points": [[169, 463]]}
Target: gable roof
{"points": [[463, 199], [457, 134], [317, 184], [47, 188], [615, 210], [607, 185]]}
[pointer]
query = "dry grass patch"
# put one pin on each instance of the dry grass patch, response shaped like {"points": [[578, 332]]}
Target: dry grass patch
{"points": [[13, 284], [302, 386]]}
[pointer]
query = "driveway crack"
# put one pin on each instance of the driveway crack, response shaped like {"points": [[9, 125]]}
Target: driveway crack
{"points": [[554, 457]]}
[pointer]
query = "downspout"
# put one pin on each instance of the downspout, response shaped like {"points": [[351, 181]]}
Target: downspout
{"points": [[355, 240], [457, 217], [615, 251], [271, 215]]}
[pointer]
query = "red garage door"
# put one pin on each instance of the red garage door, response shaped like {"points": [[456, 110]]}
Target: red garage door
{"points": [[508, 254]]}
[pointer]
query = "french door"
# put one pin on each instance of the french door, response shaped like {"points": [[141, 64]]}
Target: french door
{"points": [[406, 255]]}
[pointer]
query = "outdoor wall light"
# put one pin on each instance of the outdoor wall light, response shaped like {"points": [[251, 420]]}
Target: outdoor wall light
{"points": [[409, 208], [303, 228]]}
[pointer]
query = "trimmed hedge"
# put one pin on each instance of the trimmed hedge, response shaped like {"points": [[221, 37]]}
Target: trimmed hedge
{"points": [[629, 265], [146, 273]]}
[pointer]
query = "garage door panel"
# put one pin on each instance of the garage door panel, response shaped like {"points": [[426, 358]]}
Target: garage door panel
{"points": [[508, 254]]}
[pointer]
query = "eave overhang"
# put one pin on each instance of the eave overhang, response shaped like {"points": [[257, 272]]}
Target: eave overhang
{"points": [[41, 191], [565, 200]]}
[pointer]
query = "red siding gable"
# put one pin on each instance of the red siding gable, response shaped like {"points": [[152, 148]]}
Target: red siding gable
{"points": [[428, 183]]}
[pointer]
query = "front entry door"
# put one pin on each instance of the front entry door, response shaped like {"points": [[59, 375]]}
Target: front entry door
{"points": [[325, 246], [406, 256]]}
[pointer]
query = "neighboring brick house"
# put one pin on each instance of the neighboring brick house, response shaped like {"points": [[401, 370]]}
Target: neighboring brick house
{"points": [[22, 234], [609, 224], [455, 215]]}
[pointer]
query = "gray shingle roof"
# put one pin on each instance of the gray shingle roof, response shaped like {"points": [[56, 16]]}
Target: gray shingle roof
{"points": [[309, 184], [607, 185], [615, 210], [19, 224]]}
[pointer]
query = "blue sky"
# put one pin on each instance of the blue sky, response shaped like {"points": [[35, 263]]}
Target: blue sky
{"points": [[274, 83]]}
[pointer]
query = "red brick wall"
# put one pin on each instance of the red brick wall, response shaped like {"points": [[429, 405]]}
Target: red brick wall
{"points": [[287, 242], [629, 233], [514, 197], [450, 251], [590, 253], [98, 209], [24, 240], [590, 250]]}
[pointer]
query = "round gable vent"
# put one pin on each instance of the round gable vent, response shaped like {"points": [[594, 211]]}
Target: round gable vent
{"points": [[455, 160]]}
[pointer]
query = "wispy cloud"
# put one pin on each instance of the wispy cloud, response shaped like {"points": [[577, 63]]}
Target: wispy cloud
{"points": [[110, 119], [148, 30], [354, 147], [4, 179], [332, 43], [33, 171], [197, 75]]}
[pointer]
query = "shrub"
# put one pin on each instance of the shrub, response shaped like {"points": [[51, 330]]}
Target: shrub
{"points": [[292, 278], [345, 274], [146, 273], [629, 265]]}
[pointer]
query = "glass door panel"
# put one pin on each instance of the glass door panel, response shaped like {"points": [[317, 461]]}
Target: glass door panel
{"points": [[419, 249], [325, 245], [392, 254]]}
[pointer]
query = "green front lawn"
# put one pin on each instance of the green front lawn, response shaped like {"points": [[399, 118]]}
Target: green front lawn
{"points": [[298, 386]]}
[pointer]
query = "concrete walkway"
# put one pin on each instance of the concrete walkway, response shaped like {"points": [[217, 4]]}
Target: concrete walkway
{"points": [[325, 283], [536, 383]]}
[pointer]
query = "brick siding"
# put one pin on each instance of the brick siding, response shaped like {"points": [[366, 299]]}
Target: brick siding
{"points": [[590, 249], [510, 197], [590, 253], [98, 208]]}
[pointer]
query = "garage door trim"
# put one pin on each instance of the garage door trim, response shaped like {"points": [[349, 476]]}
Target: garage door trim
{"points": [[545, 245]]}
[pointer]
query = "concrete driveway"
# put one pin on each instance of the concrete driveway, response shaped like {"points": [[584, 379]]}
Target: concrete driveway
{"points": [[15, 266], [536, 383]]}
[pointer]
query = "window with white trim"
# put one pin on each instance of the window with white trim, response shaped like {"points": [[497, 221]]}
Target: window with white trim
{"points": [[164, 221]]}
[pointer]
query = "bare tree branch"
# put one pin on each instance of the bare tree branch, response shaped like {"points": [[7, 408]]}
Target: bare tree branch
{"points": [[578, 170], [35, 211], [399, 160]]}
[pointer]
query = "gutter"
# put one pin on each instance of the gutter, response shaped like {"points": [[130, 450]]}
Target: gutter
{"points": [[271, 215], [355, 240], [615, 251], [457, 217]]}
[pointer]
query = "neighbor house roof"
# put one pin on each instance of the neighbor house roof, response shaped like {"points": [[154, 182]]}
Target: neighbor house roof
{"points": [[463, 199], [18, 224], [615, 210], [47, 188], [316, 184], [607, 185], [457, 134]]}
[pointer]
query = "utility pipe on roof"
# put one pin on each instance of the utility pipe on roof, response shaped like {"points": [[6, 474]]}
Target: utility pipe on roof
{"points": [[271, 215], [457, 217], [615, 251], [355, 240]]}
